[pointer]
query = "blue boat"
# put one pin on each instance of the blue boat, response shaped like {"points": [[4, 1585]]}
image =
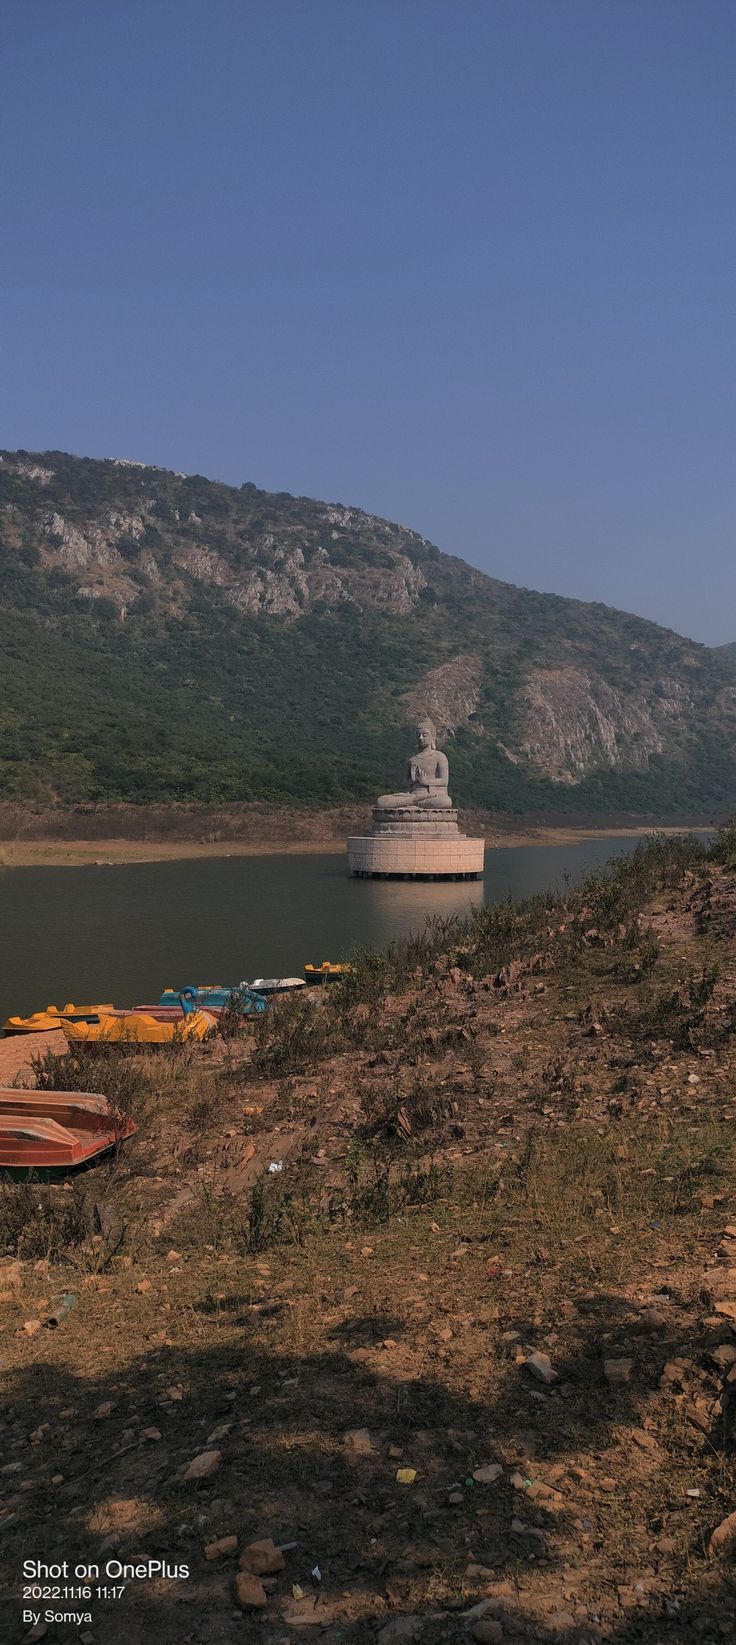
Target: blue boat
{"points": [[214, 997]]}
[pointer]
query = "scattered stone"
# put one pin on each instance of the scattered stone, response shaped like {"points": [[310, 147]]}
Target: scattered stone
{"points": [[31, 1326], [203, 1465], [152, 1434], [143, 1286], [542, 1368], [399, 1628], [727, 1309], [173, 1256], [456, 1498], [723, 1535], [666, 1545], [262, 1558], [547, 1495], [724, 1355], [487, 1631], [224, 1545], [102, 1411], [652, 1319], [359, 1441], [220, 1432], [488, 1474], [250, 1594], [617, 1370]]}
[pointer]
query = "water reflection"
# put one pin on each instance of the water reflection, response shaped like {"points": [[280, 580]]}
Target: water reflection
{"points": [[123, 933]]}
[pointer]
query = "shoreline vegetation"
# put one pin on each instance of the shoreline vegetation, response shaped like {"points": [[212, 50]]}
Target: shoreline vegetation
{"points": [[112, 835]]}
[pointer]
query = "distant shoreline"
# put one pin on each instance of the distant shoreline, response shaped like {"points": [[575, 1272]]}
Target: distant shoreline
{"points": [[104, 853]]}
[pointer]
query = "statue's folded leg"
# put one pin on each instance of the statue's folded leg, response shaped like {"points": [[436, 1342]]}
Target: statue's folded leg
{"points": [[395, 802]]}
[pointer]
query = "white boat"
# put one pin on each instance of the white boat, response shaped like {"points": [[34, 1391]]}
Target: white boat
{"points": [[276, 985]]}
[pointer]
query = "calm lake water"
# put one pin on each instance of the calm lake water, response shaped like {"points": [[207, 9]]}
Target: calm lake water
{"points": [[123, 933]]}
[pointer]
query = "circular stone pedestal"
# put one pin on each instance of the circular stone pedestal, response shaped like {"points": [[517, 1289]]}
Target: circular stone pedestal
{"points": [[396, 856]]}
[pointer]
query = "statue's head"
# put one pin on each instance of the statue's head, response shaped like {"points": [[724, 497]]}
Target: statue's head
{"points": [[426, 734]]}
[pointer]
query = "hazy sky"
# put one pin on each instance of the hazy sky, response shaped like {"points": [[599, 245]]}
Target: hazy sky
{"points": [[466, 263]]}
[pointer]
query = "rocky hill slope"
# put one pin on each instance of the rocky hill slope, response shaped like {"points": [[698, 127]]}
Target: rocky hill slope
{"points": [[166, 637]]}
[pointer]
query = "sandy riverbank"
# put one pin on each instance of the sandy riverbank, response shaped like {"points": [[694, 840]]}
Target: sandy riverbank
{"points": [[50, 853]]}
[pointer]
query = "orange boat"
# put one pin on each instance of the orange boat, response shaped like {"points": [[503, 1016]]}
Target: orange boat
{"points": [[41, 1021], [52, 1132]]}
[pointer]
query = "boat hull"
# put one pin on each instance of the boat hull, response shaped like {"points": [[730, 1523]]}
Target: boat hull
{"points": [[50, 1133]]}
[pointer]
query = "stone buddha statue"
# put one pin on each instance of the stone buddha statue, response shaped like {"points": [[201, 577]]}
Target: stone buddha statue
{"points": [[427, 773]]}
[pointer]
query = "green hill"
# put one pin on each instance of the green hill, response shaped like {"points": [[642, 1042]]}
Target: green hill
{"points": [[166, 637]]}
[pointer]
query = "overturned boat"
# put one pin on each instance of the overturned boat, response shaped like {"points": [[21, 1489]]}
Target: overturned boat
{"points": [[48, 1133]]}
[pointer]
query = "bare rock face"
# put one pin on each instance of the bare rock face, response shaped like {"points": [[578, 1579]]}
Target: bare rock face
{"points": [[572, 722], [448, 693]]}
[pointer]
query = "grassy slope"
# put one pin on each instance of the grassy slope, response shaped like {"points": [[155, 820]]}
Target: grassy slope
{"points": [[509, 1137]]}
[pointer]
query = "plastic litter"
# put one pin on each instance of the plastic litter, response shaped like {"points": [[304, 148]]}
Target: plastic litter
{"points": [[316, 1573], [60, 1310], [276, 1165]]}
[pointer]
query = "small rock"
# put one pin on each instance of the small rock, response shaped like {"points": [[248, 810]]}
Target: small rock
{"points": [[250, 1594], [152, 1434], [31, 1326], [224, 1545], [617, 1370], [203, 1465], [37, 1632], [666, 1545], [723, 1535], [652, 1319], [724, 1355], [262, 1558], [487, 1631], [173, 1256], [456, 1498], [488, 1474], [359, 1441], [102, 1411], [400, 1627], [542, 1368], [143, 1286]]}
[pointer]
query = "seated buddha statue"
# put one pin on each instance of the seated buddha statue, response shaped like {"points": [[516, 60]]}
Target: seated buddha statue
{"points": [[427, 774]]}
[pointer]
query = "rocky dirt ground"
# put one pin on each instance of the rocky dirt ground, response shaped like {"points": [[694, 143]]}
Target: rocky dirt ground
{"points": [[465, 1364]]}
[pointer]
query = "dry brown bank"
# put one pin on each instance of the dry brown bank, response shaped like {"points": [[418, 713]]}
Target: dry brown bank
{"points": [[485, 1164]]}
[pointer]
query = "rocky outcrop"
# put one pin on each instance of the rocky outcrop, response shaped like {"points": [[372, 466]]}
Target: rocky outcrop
{"points": [[571, 722], [449, 693]]}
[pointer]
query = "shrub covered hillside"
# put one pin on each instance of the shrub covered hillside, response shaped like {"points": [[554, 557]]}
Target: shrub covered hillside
{"points": [[165, 637]]}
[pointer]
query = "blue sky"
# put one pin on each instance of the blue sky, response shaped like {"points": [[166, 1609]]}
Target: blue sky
{"points": [[468, 264]]}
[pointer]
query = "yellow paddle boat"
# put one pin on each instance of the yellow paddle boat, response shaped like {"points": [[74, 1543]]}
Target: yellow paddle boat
{"points": [[137, 1028], [326, 972], [41, 1021]]}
